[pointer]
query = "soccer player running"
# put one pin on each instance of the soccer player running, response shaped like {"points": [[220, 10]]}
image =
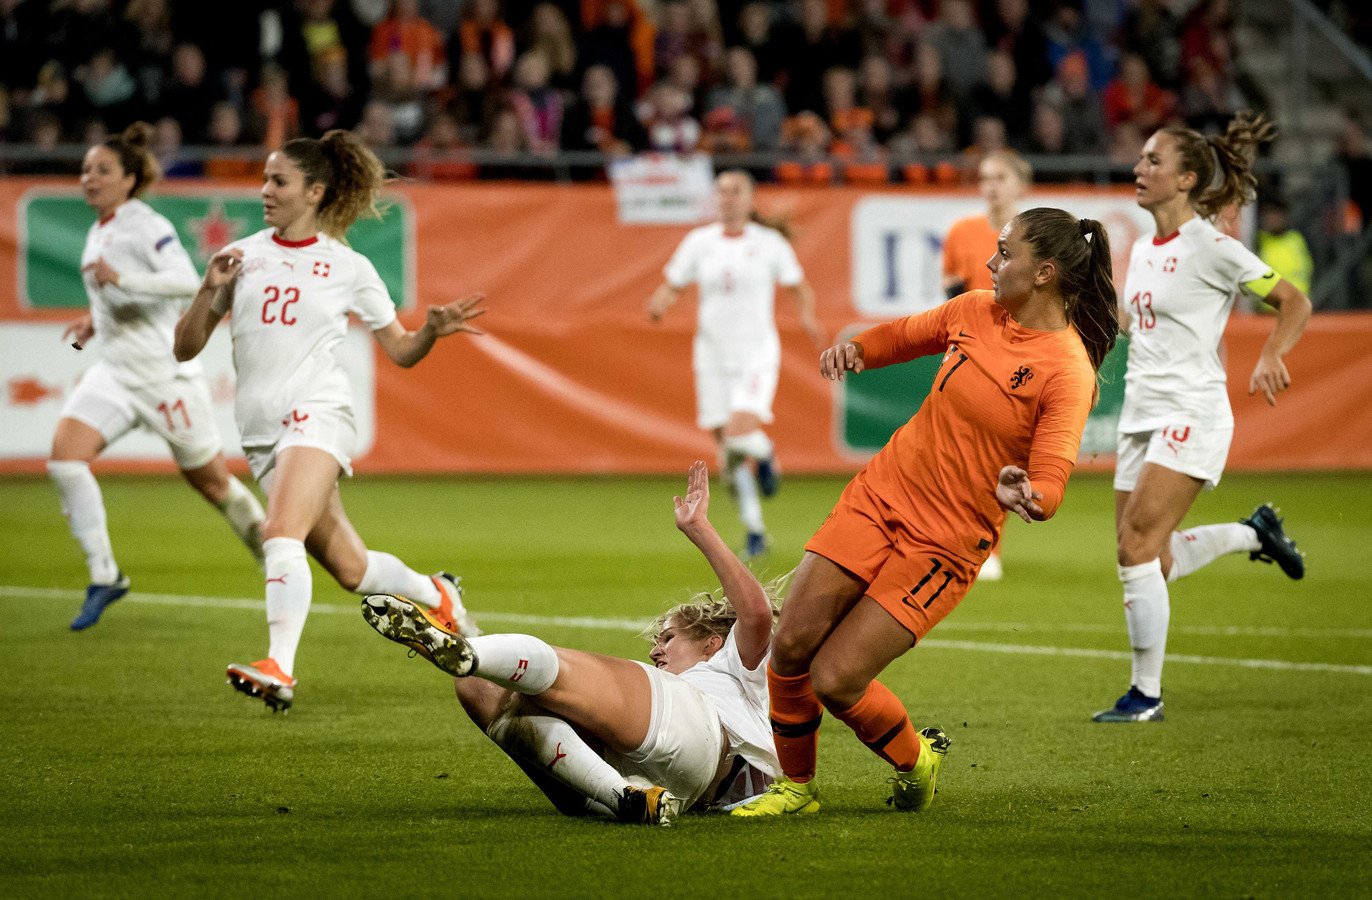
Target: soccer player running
{"points": [[1176, 425], [999, 431], [1003, 177], [614, 737], [290, 288], [136, 275], [737, 264]]}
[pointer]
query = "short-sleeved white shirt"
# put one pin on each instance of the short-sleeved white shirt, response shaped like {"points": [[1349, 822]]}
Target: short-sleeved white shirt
{"points": [[290, 306], [740, 696], [136, 330], [1178, 294], [737, 277]]}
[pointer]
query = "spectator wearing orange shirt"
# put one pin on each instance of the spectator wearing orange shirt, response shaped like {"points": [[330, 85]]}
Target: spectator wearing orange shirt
{"points": [[406, 31], [484, 33]]}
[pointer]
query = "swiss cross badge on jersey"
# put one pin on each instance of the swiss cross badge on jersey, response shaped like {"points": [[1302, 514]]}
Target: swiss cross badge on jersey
{"points": [[1169, 264]]}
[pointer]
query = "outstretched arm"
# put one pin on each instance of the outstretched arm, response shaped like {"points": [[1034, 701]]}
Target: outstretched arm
{"points": [[405, 348], [753, 629], [663, 298], [197, 323], [1293, 311]]}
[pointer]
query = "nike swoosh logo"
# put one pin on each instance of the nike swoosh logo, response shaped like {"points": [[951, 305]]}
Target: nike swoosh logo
{"points": [[963, 334]]}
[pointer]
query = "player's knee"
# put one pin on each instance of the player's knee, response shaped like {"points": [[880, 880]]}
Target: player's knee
{"points": [[1135, 545], [791, 654], [836, 688]]}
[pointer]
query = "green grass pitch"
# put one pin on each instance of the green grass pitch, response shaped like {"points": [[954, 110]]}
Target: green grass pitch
{"points": [[129, 769]]}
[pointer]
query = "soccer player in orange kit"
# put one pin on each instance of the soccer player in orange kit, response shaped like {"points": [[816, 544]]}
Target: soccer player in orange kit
{"points": [[999, 431]]}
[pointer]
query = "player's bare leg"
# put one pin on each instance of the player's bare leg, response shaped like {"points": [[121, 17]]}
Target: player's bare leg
{"points": [[234, 501], [75, 445], [749, 457]]}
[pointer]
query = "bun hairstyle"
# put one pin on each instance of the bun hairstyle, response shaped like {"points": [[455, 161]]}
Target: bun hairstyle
{"points": [[133, 147], [350, 172], [1086, 280], [1223, 164]]}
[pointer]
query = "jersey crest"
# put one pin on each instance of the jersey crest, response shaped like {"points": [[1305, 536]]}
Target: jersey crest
{"points": [[1022, 375]]}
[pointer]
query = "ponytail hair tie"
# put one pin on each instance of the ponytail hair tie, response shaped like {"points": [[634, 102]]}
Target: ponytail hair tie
{"points": [[1085, 229]]}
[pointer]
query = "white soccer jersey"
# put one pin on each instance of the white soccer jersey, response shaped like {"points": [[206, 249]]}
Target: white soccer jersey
{"points": [[135, 321], [1178, 294], [740, 696], [737, 277], [290, 306]]}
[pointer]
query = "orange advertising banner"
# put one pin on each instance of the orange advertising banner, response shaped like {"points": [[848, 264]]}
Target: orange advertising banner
{"points": [[571, 377]]}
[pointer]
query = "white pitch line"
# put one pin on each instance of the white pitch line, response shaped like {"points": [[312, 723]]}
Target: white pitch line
{"points": [[37, 593]]}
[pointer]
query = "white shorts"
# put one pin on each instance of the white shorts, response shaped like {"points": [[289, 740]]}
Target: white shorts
{"points": [[327, 428], [1195, 450], [685, 743], [178, 410], [722, 392]]}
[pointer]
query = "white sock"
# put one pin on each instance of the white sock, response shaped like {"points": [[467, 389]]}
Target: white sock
{"points": [[553, 745], [386, 574], [1146, 612], [244, 515], [749, 504], [84, 508], [288, 598], [754, 444], [1197, 547], [519, 662]]}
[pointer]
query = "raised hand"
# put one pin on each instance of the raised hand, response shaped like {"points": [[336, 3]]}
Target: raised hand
{"points": [[1270, 377], [693, 511], [80, 331], [102, 272], [839, 359], [452, 318], [223, 268], [1015, 493]]}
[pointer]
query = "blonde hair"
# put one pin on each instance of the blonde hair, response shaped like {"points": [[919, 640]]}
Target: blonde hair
{"points": [[1017, 164], [710, 612]]}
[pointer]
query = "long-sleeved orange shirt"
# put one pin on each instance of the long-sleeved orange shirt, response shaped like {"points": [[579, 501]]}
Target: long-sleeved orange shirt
{"points": [[1004, 395]]}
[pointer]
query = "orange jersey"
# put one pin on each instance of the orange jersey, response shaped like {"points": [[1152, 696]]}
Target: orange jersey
{"points": [[1004, 395], [970, 243]]}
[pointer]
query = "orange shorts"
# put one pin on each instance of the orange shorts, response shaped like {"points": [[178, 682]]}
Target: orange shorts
{"points": [[915, 581]]}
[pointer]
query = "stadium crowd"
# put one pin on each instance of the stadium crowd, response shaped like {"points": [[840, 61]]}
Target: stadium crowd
{"points": [[868, 82]]}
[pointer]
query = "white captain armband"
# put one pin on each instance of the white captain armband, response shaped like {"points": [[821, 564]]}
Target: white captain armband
{"points": [[1261, 287]]}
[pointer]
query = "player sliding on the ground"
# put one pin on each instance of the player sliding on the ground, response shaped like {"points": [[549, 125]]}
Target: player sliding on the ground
{"points": [[137, 275], [607, 736], [290, 288], [999, 431], [1176, 424]]}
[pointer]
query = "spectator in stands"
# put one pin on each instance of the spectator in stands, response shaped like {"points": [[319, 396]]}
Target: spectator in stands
{"points": [[408, 33], [667, 119], [988, 136], [755, 33], [1282, 247], [189, 96], [812, 49], [507, 136], [483, 33], [1070, 91], [377, 128], [1049, 135], [1012, 30], [109, 89], [805, 138], [877, 32], [439, 154], [602, 119], [273, 114], [22, 25], [1205, 35], [1002, 96], [930, 90], [549, 31], [45, 133], [685, 76], [725, 131], [961, 45], [1126, 143], [332, 102], [758, 106], [475, 102], [226, 133], [167, 149], [1209, 99], [840, 98], [924, 137], [324, 52], [620, 37], [877, 93], [1150, 30], [1135, 98], [76, 30], [537, 104], [149, 57], [394, 84], [1353, 154], [1067, 37], [673, 37]]}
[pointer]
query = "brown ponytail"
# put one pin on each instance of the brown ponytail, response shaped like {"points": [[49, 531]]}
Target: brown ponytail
{"points": [[350, 172], [1086, 279], [135, 156], [1230, 156]]}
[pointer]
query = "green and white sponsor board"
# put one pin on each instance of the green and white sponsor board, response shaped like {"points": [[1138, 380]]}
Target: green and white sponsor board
{"points": [[53, 226], [873, 404]]}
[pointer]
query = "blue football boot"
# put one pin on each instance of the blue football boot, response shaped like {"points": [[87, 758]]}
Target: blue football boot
{"points": [[757, 545], [1276, 546], [99, 596], [1134, 706]]}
